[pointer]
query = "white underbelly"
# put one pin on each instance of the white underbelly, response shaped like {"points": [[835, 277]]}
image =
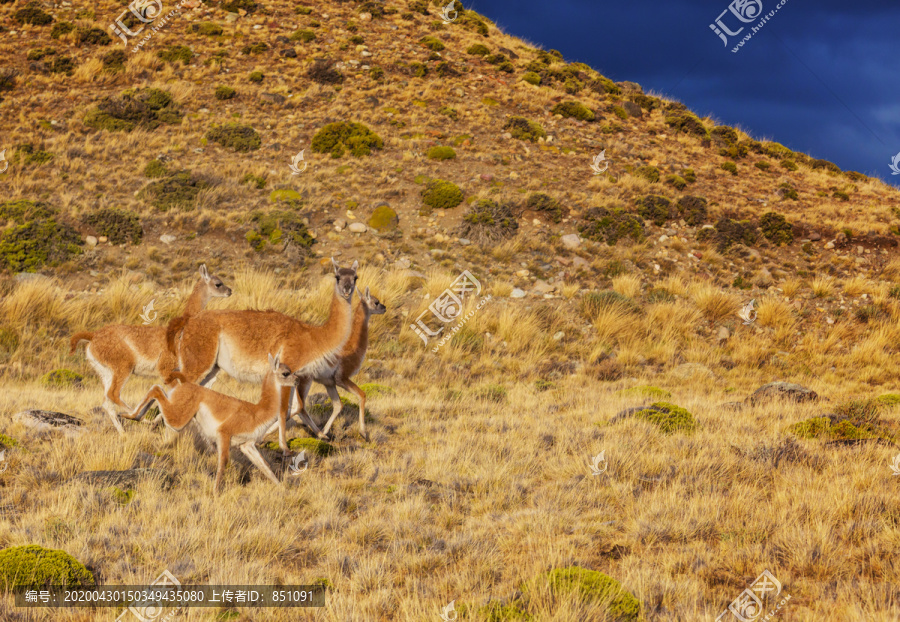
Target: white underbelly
{"points": [[239, 367], [209, 425], [255, 435], [143, 366]]}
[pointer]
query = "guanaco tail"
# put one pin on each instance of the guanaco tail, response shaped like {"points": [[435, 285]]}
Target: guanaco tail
{"points": [[117, 351], [237, 342], [225, 419]]}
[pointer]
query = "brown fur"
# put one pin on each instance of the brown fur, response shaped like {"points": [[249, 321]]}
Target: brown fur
{"points": [[117, 351], [351, 359], [226, 419], [238, 341]]}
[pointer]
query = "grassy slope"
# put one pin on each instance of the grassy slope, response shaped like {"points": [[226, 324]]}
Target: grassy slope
{"points": [[694, 518]]}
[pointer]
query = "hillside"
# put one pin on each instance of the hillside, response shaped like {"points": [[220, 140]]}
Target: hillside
{"points": [[430, 148]]}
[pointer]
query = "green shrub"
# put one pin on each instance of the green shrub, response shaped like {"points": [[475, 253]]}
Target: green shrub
{"points": [[573, 110], [9, 343], [257, 181], [763, 165], [61, 28], [34, 567], [39, 53], [789, 165], [488, 221], [335, 138], [312, 446], [650, 173], [540, 202], [841, 196], [225, 92], [376, 73], [40, 242], [117, 225], [830, 166], [523, 129], [478, 50], [668, 417], [32, 14], [92, 36], [645, 391], [687, 123], [29, 155], [788, 191], [260, 47], [647, 102], [302, 10], [177, 190], [324, 72], [492, 393], [449, 112], [589, 586], [728, 232], [440, 194], [692, 210], [255, 76], [619, 112], [731, 167], [441, 153], [776, 229], [383, 218], [432, 43], [677, 181], [21, 211], [62, 64], [146, 108], [689, 175], [233, 6], [303, 35], [532, 78], [655, 208], [114, 61], [61, 378], [175, 53], [209, 29], [155, 169], [7, 441], [235, 136], [610, 225], [279, 227]]}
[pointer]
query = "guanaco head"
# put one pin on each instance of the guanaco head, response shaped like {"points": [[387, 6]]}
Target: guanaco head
{"points": [[373, 305], [282, 373], [215, 288], [345, 279]]}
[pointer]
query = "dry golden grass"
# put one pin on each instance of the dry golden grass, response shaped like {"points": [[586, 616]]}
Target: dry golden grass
{"points": [[713, 303], [822, 287], [791, 287], [627, 284]]}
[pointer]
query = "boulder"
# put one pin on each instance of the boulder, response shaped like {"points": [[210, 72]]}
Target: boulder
{"points": [[47, 420], [127, 478], [783, 391], [517, 293], [572, 240]]}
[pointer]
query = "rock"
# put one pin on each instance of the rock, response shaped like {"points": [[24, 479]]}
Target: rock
{"points": [[90, 241], [289, 53], [167, 239], [517, 293], [784, 391], [274, 98], [829, 245], [559, 336], [571, 240], [579, 262], [357, 227], [522, 273], [103, 239], [814, 237], [128, 478], [690, 370], [723, 334], [763, 277], [633, 109], [47, 420], [486, 177], [663, 237], [365, 17], [464, 242], [340, 224], [543, 287]]}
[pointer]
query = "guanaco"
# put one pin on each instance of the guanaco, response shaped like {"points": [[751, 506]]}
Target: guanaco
{"points": [[117, 351], [348, 365], [237, 342], [225, 419]]}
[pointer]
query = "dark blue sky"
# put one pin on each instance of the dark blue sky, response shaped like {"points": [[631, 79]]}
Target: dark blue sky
{"points": [[821, 77]]}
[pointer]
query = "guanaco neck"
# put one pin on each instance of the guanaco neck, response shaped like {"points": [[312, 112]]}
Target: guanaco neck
{"points": [[198, 298], [271, 398], [339, 320], [359, 332]]}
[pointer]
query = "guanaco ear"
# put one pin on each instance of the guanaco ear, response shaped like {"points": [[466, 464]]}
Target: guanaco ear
{"points": [[204, 273], [334, 263], [355, 265], [368, 296], [273, 361]]}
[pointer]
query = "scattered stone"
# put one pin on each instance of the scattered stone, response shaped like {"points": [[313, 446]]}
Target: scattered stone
{"points": [[289, 53], [357, 227], [829, 245], [784, 391], [559, 336], [633, 109], [464, 242], [340, 224], [103, 239], [723, 333], [128, 478], [571, 240], [167, 238], [47, 420], [543, 287], [90, 241], [814, 237], [517, 293]]}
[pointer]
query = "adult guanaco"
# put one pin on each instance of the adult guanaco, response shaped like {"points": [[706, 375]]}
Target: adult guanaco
{"points": [[222, 418], [237, 342], [117, 351], [348, 364]]}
